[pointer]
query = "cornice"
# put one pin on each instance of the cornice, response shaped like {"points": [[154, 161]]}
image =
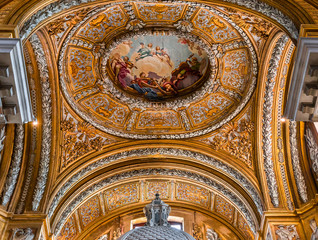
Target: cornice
{"points": [[15, 166], [299, 177]]}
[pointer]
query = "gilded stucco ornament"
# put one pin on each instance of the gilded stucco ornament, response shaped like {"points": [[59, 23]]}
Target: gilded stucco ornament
{"points": [[211, 234], [286, 232], [2, 138], [256, 5], [15, 166], [46, 122], [299, 177], [313, 149], [267, 120], [131, 117], [221, 166], [23, 234], [34, 138], [229, 193]]}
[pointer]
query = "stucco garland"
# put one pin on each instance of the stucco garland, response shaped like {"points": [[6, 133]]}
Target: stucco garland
{"points": [[161, 172], [15, 166], [231, 172], [207, 88], [299, 177], [267, 119], [313, 149], [256, 5], [46, 122], [34, 140]]}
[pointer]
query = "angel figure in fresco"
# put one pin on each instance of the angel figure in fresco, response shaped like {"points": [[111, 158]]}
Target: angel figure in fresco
{"points": [[162, 55], [122, 69], [143, 51]]}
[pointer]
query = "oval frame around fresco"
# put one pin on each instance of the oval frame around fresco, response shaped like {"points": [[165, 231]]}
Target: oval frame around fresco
{"points": [[181, 72]]}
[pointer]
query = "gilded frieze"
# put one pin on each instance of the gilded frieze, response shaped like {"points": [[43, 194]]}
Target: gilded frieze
{"points": [[107, 109], [89, 211], [155, 12], [236, 70], [80, 69], [192, 193], [96, 29], [159, 120], [209, 108], [214, 26], [69, 230], [224, 208], [121, 195], [153, 187], [244, 228]]}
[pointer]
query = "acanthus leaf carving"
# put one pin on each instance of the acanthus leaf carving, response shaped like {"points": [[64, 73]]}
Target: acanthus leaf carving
{"points": [[46, 122], [211, 234], [313, 149], [236, 139], [287, 232], [299, 177], [79, 138], [23, 234], [15, 166]]}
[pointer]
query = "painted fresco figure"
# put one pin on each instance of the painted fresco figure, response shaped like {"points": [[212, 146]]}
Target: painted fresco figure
{"points": [[167, 86], [143, 52], [194, 65], [145, 86], [188, 71], [122, 70]]}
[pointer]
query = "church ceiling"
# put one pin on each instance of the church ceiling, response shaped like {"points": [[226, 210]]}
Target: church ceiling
{"points": [[120, 78], [135, 193], [137, 97], [137, 86]]}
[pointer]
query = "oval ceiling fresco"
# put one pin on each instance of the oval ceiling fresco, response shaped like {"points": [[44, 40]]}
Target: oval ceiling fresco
{"points": [[158, 66], [178, 73]]}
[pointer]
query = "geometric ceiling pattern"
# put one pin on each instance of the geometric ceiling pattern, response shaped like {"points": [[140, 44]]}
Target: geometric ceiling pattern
{"points": [[134, 98]]}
